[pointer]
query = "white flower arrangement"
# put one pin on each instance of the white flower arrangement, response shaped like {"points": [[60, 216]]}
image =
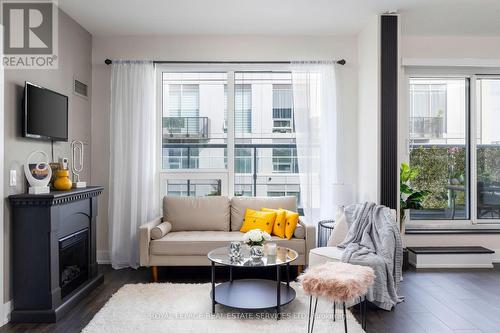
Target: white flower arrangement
{"points": [[256, 237]]}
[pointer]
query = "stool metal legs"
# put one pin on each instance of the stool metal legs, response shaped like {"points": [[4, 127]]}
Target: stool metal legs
{"points": [[310, 327], [309, 316], [345, 318], [362, 311]]}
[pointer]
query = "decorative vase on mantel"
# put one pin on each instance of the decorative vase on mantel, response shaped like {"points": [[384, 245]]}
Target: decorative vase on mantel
{"points": [[62, 182]]}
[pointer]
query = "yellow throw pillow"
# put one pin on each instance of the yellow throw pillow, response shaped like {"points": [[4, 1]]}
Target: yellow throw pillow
{"points": [[292, 219], [258, 220], [279, 223]]}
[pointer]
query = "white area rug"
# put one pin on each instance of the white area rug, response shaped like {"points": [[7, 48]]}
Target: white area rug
{"points": [[167, 307]]}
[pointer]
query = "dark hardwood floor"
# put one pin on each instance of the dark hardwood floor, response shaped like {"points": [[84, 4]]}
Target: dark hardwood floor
{"points": [[439, 300]]}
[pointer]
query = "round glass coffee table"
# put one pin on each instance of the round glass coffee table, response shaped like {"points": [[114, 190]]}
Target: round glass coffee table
{"points": [[253, 294]]}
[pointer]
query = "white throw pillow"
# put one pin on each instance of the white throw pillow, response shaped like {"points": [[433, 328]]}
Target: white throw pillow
{"points": [[300, 232], [339, 232]]}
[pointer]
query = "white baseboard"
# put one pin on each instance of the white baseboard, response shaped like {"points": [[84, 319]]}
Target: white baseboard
{"points": [[7, 309], [103, 257]]}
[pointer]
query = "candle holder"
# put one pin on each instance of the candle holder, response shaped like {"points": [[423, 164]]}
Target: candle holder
{"points": [[235, 251]]}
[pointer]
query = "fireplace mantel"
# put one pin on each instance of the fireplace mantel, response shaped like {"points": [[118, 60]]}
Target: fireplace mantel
{"points": [[55, 197], [39, 222]]}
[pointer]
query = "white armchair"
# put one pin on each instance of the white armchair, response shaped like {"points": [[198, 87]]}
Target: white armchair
{"points": [[331, 252]]}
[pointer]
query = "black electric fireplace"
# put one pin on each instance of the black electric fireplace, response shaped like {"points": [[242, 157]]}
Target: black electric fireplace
{"points": [[54, 252], [73, 261]]}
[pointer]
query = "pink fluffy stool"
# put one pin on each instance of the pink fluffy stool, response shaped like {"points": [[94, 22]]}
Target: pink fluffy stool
{"points": [[339, 282]]}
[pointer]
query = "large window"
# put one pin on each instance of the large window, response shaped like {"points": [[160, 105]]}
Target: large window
{"points": [[454, 136], [228, 133], [439, 146]]}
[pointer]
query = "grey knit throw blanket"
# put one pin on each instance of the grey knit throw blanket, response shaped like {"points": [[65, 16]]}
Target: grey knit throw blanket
{"points": [[374, 240]]}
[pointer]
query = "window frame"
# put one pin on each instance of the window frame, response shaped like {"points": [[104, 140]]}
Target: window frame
{"points": [[473, 75], [226, 175]]}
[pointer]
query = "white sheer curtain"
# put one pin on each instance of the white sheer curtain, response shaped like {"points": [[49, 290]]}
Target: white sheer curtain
{"points": [[133, 197], [315, 112]]}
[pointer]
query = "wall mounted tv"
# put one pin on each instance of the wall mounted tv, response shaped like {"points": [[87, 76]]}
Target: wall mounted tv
{"points": [[45, 114]]}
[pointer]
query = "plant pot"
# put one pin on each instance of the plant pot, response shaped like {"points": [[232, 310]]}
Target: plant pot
{"points": [[406, 262], [402, 228], [256, 252], [405, 219]]}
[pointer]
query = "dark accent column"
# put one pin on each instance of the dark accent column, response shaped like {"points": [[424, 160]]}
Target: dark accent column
{"points": [[389, 111]]}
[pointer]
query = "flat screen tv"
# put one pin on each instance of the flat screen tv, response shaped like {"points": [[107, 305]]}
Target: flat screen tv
{"points": [[45, 114]]}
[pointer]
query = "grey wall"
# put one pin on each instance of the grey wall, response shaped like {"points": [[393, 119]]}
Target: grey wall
{"points": [[75, 50]]}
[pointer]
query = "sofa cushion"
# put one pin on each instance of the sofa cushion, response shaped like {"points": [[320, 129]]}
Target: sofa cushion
{"points": [[240, 204], [209, 213], [189, 243], [291, 221], [339, 231], [279, 223], [264, 221], [300, 232]]}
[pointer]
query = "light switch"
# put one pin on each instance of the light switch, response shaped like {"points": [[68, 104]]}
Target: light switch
{"points": [[13, 178]]}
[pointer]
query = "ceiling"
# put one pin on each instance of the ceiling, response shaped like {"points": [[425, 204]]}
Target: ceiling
{"points": [[280, 17]]}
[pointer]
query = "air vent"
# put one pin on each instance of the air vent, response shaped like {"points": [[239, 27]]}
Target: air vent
{"points": [[80, 89]]}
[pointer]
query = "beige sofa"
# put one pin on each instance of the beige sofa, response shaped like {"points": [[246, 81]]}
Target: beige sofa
{"points": [[201, 224]]}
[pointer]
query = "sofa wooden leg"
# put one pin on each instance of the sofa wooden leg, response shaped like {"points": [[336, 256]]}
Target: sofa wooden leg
{"points": [[154, 273], [300, 269]]}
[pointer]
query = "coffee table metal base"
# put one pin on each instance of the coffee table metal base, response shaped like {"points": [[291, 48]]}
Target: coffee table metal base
{"points": [[253, 294]]}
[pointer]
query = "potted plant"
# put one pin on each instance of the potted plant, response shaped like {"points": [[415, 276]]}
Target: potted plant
{"points": [[255, 239], [409, 198]]}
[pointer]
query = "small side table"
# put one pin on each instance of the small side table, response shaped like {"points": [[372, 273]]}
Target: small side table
{"points": [[325, 228]]}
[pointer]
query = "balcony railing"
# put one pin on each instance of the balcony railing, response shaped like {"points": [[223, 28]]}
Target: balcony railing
{"points": [[426, 127], [185, 128], [251, 159]]}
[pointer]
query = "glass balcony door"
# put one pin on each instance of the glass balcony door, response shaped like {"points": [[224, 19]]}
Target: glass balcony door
{"points": [[439, 146]]}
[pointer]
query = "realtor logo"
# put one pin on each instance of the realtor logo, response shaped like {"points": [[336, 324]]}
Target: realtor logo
{"points": [[29, 34]]}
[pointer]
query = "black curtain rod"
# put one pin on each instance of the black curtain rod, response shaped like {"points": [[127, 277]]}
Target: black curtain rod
{"points": [[109, 62]]}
